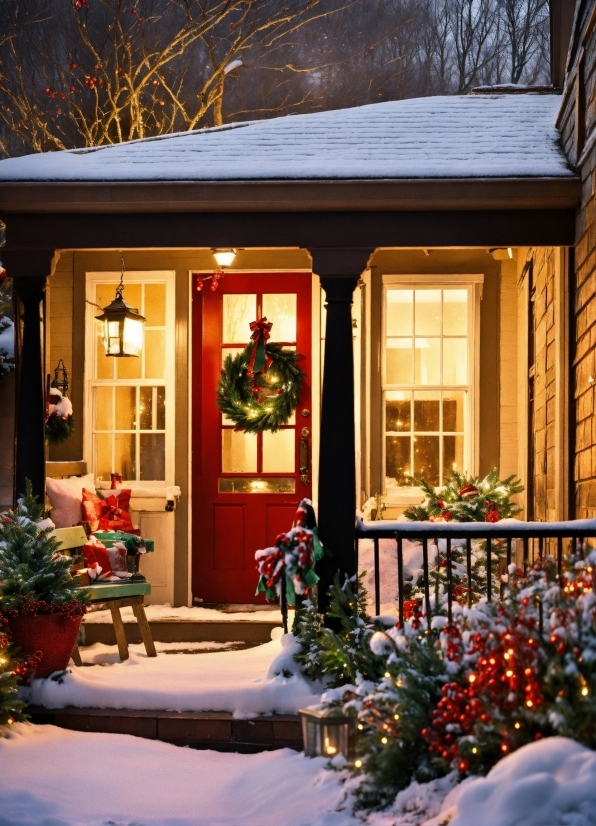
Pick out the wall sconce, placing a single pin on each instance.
(327, 732)
(224, 257)
(122, 326)
(60, 380)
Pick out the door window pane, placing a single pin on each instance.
(238, 312)
(427, 364)
(279, 451)
(153, 456)
(428, 313)
(280, 308)
(399, 361)
(238, 451)
(399, 313)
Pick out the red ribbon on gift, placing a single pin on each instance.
(259, 360)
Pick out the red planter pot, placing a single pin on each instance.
(54, 635)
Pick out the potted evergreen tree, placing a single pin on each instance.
(38, 597)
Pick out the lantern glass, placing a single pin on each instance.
(327, 735)
(224, 258)
(132, 337)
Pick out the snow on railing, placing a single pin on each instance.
(533, 536)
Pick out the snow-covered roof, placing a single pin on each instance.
(479, 136)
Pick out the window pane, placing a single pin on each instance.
(399, 312)
(155, 354)
(455, 312)
(453, 410)
(103, 455)
(155, 305)
(153, 456)
(238, 311)
(126, 404)
(428, 312)
(397, 460)
(455, 361)
(426, 410)
(279, 451)
(453, 454)
(427, 361)
(124, 455)
(399, 361)
(258, 484)
(426, 458)
(103, 408)
(129, 367)
(280, 308)
(104, 364)
(238, 452)
(160, 415)
(397, 411)
(146, 410)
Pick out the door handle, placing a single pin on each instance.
(304, 463)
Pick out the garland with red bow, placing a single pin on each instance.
(259, 388)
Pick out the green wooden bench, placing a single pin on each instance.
(115, 595)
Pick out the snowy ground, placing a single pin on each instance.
(389, 586)
(260, 680)
(157, 613)
(55, 777)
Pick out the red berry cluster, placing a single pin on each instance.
(32, 607)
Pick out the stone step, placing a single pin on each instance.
(245, 631)
(198, 729)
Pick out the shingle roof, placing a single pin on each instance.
(479, 136)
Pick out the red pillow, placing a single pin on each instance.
(109, 514)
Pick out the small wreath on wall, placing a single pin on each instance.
(59, 421)
(259, 388)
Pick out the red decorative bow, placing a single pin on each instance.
(259, 360)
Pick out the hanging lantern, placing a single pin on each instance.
(224, 257)
(122, 326)
(327, 732)
(60, 380)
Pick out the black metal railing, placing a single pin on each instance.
(537, 540)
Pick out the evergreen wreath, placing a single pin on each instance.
(59, 429)
(264, 400)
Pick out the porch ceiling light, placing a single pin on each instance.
(122, 326)
(224, 257)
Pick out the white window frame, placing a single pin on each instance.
(131, 277)
(474, 283)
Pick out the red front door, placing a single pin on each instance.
(245, 486)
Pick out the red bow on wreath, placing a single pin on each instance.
(259, 360)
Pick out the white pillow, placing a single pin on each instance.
(66, 498)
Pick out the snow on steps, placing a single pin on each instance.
(184, 625)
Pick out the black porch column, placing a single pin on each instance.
(339, 271)
(28, 272)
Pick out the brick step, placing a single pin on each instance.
(245, 631)
(198, 729)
